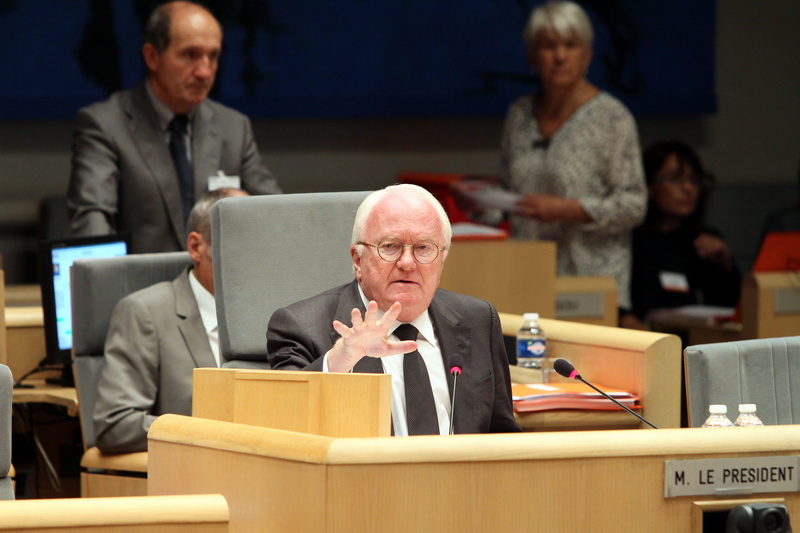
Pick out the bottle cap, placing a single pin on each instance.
(717, 409)
(747, 408)
(527, 317)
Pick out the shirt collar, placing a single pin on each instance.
(205, 303)
(164, 113)
(422, 322)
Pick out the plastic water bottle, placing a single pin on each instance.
(747, 416)
(717, 417)
(531, 343)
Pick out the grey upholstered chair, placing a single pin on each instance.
(271, 251)
(97, 286)
(6, 388)
(765, 372)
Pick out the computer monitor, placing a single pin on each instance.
(56, 258)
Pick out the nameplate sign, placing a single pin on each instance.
(580, 304)
(787, 301)
(731, 476)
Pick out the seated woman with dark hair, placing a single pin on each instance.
(677, 259)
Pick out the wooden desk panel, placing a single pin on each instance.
(25, 343)
(43, 392)
(759, 317)
(573, 293)
(594, 481)
(516, 276)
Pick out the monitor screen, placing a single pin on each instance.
(56, 259)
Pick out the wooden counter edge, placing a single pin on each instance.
(75, 512)
(491, 447)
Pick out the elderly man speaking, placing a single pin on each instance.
(393, 319)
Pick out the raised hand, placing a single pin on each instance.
(368, 337)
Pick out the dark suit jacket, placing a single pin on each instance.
(298, 336)
(155, 339)
(123, 178)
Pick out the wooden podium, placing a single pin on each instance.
(336, 405)
(600, 481)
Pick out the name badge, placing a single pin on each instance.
(673, 281)
(222, 181)
(731, 475)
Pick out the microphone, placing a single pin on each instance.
(455, 369)
(565, 368)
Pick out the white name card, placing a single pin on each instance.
(580, 304)
(787, 301)
(736, 475)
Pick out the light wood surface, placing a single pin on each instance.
(601, 287)
(596, 481)
(23, 295)
(43, 392)
(515, 276)
(113, 475)
(188, 513)
(643, 362)
(25, 342)
(119, 462)
(759, 319)
(332, 404)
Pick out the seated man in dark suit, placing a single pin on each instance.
(400, 241)
(156, 337)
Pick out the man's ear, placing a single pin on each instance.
(193, 243)
(356, 261)
(150, 55)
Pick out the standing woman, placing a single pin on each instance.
(573, 152)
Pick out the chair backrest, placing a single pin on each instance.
(6, 388)
(765, 372)
(97, 286)
(3, 348)
(271, 251)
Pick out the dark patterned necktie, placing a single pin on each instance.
(183, 167)
(420, 407)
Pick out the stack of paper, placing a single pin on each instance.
(570, 395)
(472, 231)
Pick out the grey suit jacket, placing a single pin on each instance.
(300, 334)
(155, 339)
(123, 178)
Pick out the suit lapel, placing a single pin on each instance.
(206, 141)
(454, 339)
(190, 324)
(152, 144)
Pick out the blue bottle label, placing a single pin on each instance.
(530, 348)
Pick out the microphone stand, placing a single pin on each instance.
(453, 402)
(631, 411)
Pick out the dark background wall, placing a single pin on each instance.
(747, 134)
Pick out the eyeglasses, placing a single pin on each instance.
(677, 179)
(391, 250)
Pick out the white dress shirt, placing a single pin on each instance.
(428, 347)
(208, 313)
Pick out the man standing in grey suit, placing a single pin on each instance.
(156, 337)
(141, 157)
(400, 323)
